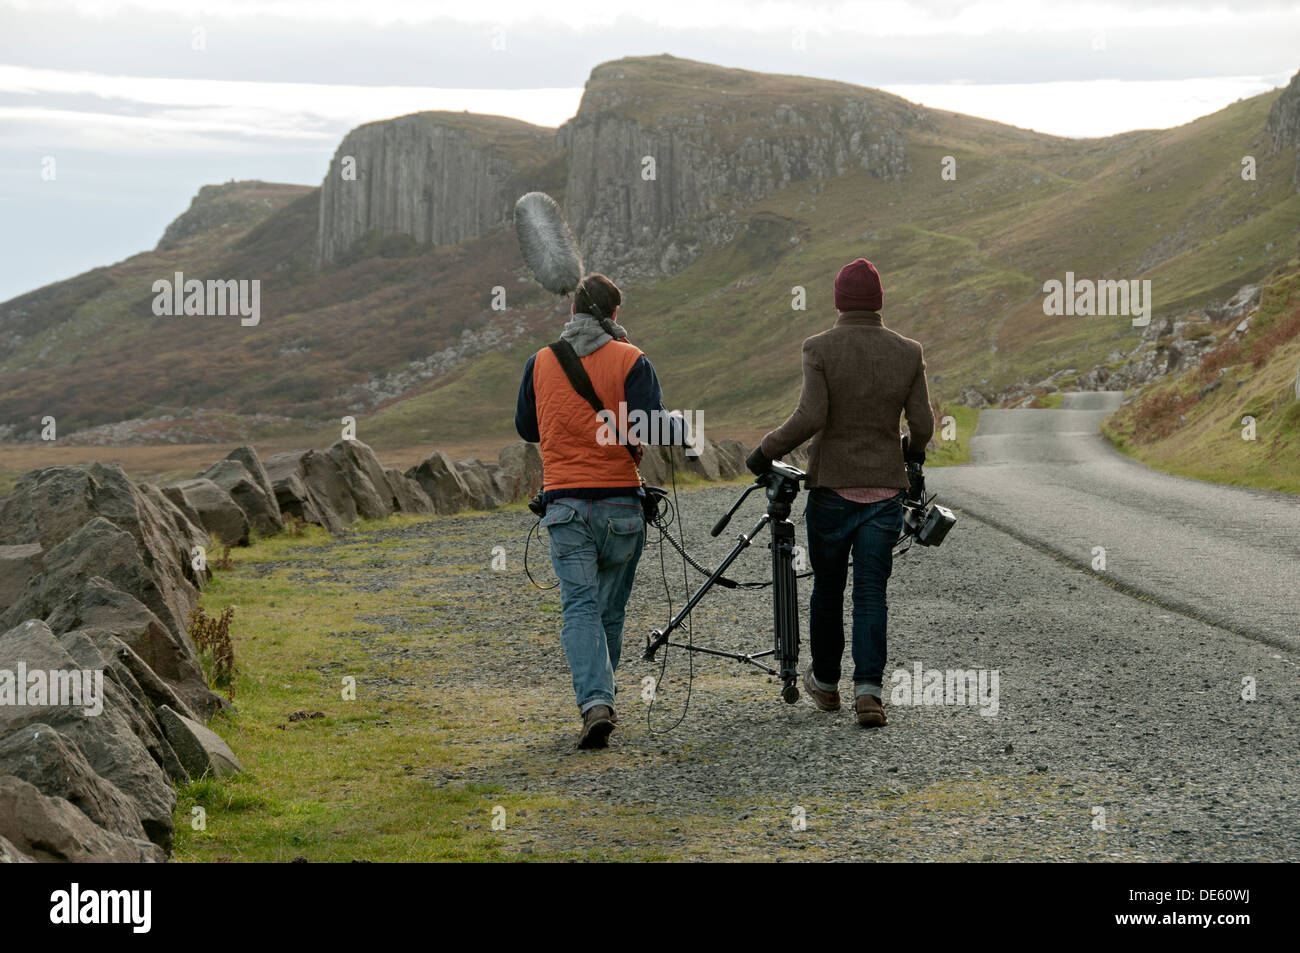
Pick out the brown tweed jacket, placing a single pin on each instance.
(858, 379)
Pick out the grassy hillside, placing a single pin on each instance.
(1192, 424)
(963, 264)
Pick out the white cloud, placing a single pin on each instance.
(233, 115)
(868, 18)
(139, 115)
(1090, 108)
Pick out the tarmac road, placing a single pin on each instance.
(1226, 555)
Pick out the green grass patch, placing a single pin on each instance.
(396, 773)
(1196, 424)
(951, 452)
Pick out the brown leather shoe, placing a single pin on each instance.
(871, 714)
(824, 700)
(597, 723)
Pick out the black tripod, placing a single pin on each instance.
(782, 485)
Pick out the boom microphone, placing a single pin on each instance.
(547, 243)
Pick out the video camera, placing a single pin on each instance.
(927, 522)
(924, 521)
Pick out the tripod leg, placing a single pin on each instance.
(660, 637)
(785, 608)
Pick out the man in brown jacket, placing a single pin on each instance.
(859, 377)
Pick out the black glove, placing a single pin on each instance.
(910, 455)
(915, 483)
(758, 462)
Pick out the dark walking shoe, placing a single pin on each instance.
(824, 700)
(871, 714)
(597, 723)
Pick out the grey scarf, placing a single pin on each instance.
(585, 334)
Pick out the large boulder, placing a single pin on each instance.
(326, 484)
(442, 482)
(9, 854)
(713, 461)
(702, 461)
(52, 829)
(253, 464)
(150, 689)
(408, 496)
(291, 493)
(18, 564)
(124, 690)
(99, 548)
(258, 505)
(364, 476)
(119, 738)
(485, 493)
(520, 466)
(201, 750)
(56, 767)
(654, 466)
(218, 513)
(184, 532)
(310, 486)
(49, 505)
(103, 610)
(176, 500)
(731, 458)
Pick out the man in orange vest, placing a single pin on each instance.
(592, 488)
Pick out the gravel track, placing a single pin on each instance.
(1106, 703)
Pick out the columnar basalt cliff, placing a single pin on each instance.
(438, 177)
(653, 167)
(663, 151)
(1284, 123)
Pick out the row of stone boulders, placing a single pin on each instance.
(102, 692)
(98, 580)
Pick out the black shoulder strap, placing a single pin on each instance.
(578, 377)
(576, 373)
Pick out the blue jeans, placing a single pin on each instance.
(595, 546)
(836, 528)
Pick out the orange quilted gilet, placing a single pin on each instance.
(571, 454)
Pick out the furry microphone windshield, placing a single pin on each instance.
(547, 243)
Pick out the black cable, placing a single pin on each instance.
(690, 622)
(704, 571)
(527, 538)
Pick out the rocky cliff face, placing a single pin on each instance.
(1284, 122)
(438, 177)
(663, 151)
(653, 169)
(233, 205)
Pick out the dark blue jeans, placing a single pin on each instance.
(836, 528)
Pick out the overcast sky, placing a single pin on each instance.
(140, 102)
